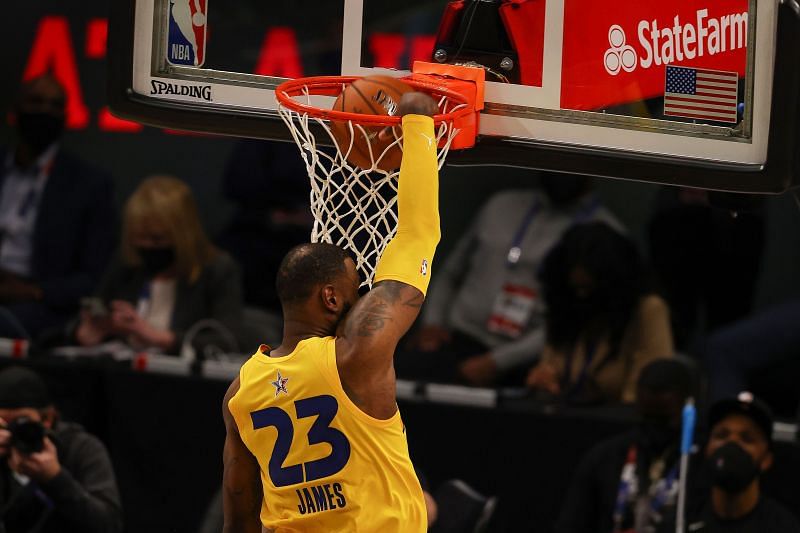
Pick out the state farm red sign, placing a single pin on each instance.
(615, 53)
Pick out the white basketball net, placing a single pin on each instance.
(353, 207)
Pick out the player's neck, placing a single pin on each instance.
(296, 330)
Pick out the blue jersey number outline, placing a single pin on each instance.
(324, 407)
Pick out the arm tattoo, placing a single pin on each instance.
(375, 312)
(415, 301)
(393, 290)
(372, 318)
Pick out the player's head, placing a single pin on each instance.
(318, 282)
(40, 112)
(661, 392)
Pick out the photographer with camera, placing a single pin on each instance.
(54, 477)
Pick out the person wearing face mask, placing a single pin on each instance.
(56, 218)
(603, 326)
(167, 275)
(484, 319)
(738, 451)
(629, 483)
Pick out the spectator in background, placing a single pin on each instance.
(167, 277)
(268, 183)
(483, 317)
(630, 482)
(56, 218)
(602, 325)
(68, 485)
(707, 260)
(739, 450)
(735, 353)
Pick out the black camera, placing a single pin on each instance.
(27, 435)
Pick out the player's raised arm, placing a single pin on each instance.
(242, 492)
(379, 319)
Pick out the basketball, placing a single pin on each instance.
(374, 95)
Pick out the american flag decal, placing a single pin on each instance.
(701, 94)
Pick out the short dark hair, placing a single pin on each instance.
(28, 85)
(668, 375)
(21, 387)
(307, 266)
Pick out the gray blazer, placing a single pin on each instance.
(217, 294)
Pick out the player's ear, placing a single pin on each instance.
(330, 299)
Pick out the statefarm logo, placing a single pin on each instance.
(664, 45)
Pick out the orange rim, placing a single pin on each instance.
(334, 85)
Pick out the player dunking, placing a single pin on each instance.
(315, 441)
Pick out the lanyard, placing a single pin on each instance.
(143, 305)
(34, 193)
(628, 484)
(591, 349)
(515, 251)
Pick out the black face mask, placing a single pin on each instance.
(156, 260)
(732, 468)
(39, 130)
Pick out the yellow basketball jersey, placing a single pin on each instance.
(326, 466)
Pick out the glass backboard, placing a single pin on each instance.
(678, 92)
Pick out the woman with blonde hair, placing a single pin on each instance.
(167, 276)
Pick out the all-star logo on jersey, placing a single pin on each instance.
(280, 384)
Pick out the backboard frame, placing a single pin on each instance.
(772, 176)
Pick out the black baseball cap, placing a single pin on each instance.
(743, 404)
(21, 387)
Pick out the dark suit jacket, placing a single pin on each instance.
(74, 234)
(216, 294)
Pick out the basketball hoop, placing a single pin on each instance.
(355, 207)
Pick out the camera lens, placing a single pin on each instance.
(27, 435)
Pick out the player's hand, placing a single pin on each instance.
(544, 376)
(40, 466)
(416, 103)
(479, 370)
(411, 103)
(5, 438)
(432, 338)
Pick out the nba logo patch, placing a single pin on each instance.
(423, 268)
(186, 38)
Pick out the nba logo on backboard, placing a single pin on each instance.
(186, 38)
